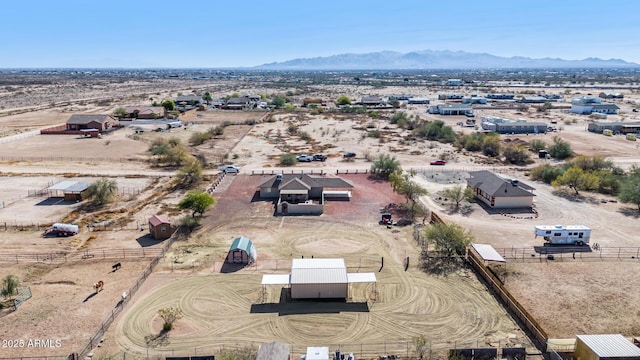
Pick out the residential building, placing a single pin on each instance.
(91, 121)
(591, 104)
(451, 109)
(498, 192)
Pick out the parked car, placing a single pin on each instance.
(349, 155)
(304, 158)
(438, 162)
(230, 169)
(319, 157)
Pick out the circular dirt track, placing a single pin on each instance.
(226, 309)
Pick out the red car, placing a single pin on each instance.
(438, 162)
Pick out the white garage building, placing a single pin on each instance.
(318, 279)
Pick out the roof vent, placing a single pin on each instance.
(279, 177)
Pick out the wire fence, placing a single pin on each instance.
(102, 328)
(88, 159)
(570, 253)
(63, 257)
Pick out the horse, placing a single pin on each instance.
(116, 266)
(97, 287)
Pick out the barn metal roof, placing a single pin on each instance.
(361, 278)
(488, 253)
(610, 345)
(276, 279)
(62, 185)
(318, 271)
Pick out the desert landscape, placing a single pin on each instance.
(588, 292)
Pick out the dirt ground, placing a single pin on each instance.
(566, 296)
(235, 310)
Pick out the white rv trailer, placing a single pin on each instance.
(564, 235)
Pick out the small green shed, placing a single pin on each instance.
(242, 251)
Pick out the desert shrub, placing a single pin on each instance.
(537, 145)
(199, 138)
(287, 160)
(374, 134)
(546, 173)
(216, 131)
(516, 154)
(560, 149)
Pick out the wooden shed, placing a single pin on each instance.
(242, 251)
(160, 227)
(606, 346)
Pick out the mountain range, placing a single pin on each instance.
(432, 59)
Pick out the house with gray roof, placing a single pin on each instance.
(498, 192)
(451, 109)
(100, 122)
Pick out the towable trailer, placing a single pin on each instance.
(60, 229)
(564, 235)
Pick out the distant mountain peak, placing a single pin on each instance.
(436, 59)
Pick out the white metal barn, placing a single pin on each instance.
(605, 347)
(319, 279)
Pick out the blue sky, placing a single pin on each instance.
(140, 33)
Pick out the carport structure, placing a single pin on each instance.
(318, 279)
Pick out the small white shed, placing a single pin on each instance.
(317, 353)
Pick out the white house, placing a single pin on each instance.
(591, 104)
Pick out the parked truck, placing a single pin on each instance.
(61, 229)
(564, 235)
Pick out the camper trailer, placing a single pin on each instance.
(564, 235)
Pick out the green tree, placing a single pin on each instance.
(9, 286)
(288, 160)
(546, 173)
(630, 188)
(536, 145)
(278, 101)
(449, 239)
(455, 193)
(491, 145)
(516, 154)
(169, 105)
(343, 100)
(197, 201)
(169, 315)
(103, 191)
(403, 185)
(560, 149)
(398, 116)
(207, 97)
(120, 112)
(577, 179)
(190, 173)
(384, 165)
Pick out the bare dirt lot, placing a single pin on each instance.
(568, 296)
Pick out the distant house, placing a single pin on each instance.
(616, 127)
(591, 104)
(242, 251)
(145, 112)
(518, 127)
(418, 101)
(189, 100)
(311, 101)
(91, 121)
(160, 227)
(536, 99)
(609, 95)
(498, 192)
(401, 97)
(474, 100)
(501, 96)
(371, 101)
(451, 109)
(450, 96)
(236, 103)
(454, 82)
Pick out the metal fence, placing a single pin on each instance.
(63, 257)
(102, 328)
(570, 253)
(88, 159)
(23, 295)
